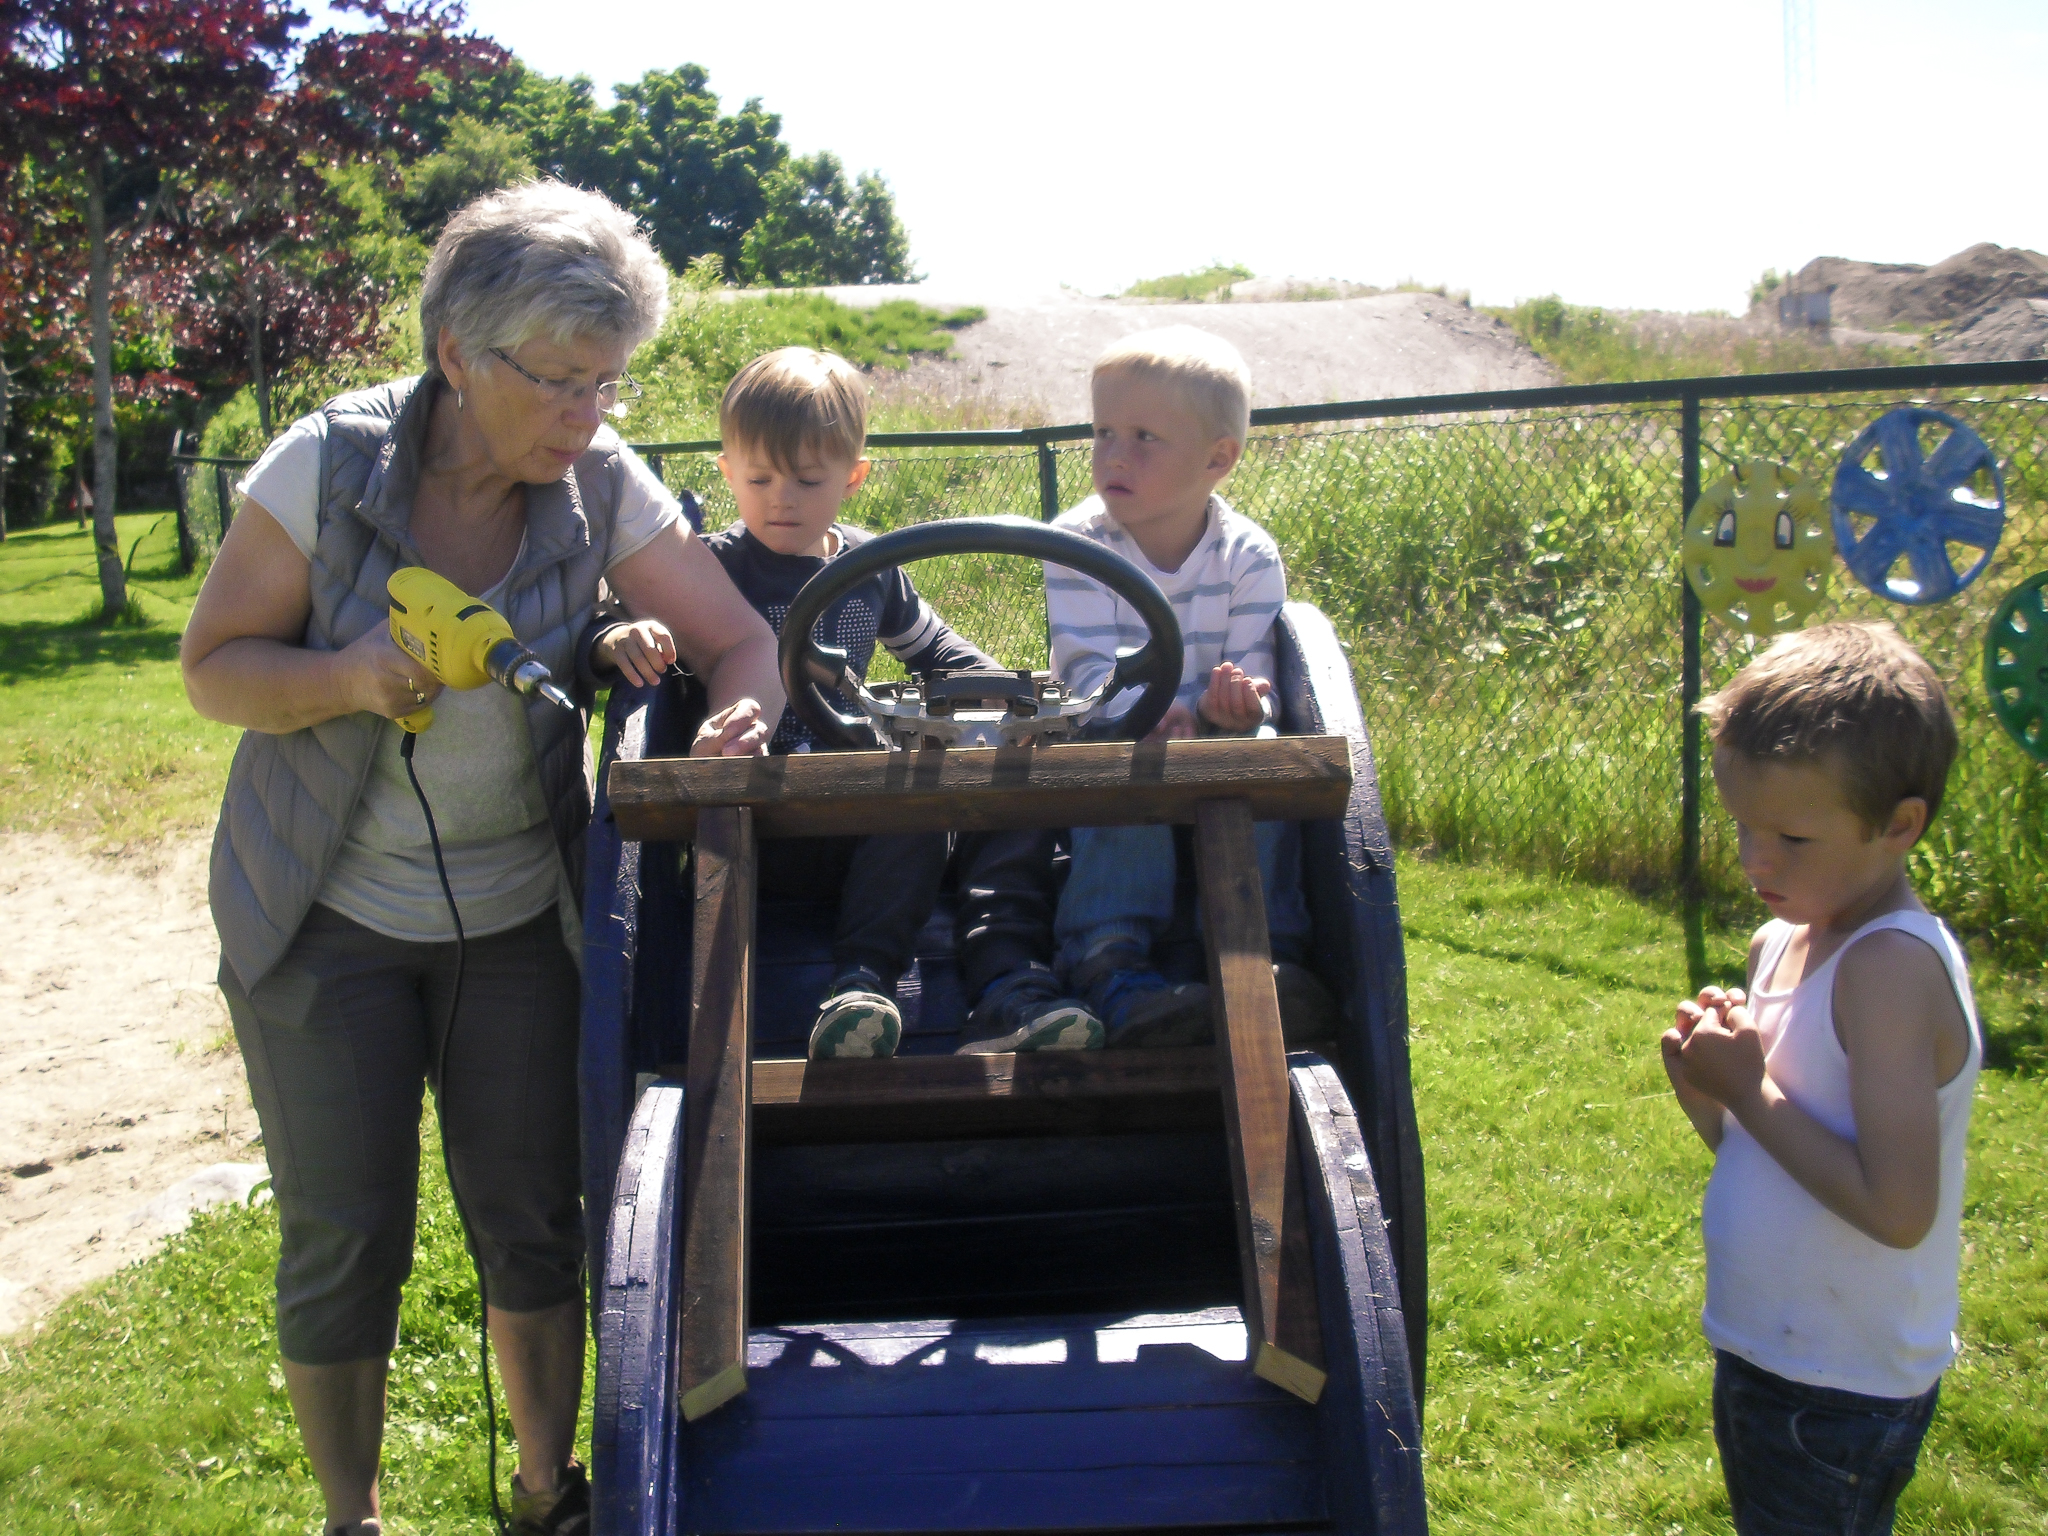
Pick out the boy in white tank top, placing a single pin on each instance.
(1835, 1090)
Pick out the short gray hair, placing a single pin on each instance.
(540, 259)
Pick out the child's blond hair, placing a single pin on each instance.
(1207, 370)
(793, 401)
(1855, 697)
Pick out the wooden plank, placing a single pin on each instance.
(712, 1359)
(1279, 1282)
(1096, 784)
(928, 1098)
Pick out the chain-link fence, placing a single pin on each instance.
(1505, 569)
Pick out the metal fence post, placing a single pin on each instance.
(1048, 482)
(221, 494)
(188, 543)
(1691, 620)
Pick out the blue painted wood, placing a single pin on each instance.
(635, 1412)
(1371, 1429)
(1348, 867)
(1921, 502)
(977, 1426)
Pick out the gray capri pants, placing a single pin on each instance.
(339, 1041)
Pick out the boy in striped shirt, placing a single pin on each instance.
(1172, 410)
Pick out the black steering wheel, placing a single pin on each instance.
(810, 669)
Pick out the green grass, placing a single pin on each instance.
(1569, 1381)
(96, 738)
(1590, 345)
(1190, 286)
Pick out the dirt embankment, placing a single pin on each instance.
(122, 1100)
(1030, 358)
(1984, 304)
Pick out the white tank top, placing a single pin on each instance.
(1792, 1287)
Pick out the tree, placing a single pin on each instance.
(816, 230)
(42, 279)
(136, 98)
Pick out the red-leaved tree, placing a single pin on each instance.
(143, 102)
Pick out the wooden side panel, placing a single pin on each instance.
(713, 1355)
(633, 1444)
(1371, 1429)
(1109, 784)
(1279, 1288)
(1348, 867)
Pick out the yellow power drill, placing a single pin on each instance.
(461, 641)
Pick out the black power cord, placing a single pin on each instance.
(483, 1299)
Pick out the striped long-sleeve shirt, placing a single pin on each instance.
(1226, 596)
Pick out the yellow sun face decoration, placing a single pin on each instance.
(1757, 548)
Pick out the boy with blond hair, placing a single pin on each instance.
(1172, 411)
(1834, 1089)
(794, 425)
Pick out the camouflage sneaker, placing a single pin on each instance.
(563, 1510)
(857, 1018)
(1027, 1011)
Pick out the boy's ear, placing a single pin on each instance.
(1223, 456)
(725, 469)
(856, 477)
(1909, 820)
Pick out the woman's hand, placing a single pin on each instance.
(383, 679)
(740, 730)
(643, 651)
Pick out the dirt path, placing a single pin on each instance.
(1033, 352)
(122, 1101)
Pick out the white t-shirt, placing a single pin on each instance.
(475, 762)
(1226, 595)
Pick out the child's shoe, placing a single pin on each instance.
(1026, 1011)
(1308, 1012)
(1137, 1005)
(857, 1018)
(563, 1510)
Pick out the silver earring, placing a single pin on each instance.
(458, 399)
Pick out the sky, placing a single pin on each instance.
(1629, 153)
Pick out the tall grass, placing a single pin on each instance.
(1590, 345)
(1510, 590)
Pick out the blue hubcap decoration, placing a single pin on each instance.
(1920, 503)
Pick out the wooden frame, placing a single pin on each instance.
(981, 789)
(1222, 786)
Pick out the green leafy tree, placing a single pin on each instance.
(816, 230)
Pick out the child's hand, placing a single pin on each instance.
(736, 731)
(1700, 1108)
(1722, 1055)
(1178, 724)
(1234, 699)
(643, 650)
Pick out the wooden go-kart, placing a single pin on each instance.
(1114, 1291)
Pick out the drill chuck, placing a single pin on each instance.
(513, 665)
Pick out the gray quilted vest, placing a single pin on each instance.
(290, 797)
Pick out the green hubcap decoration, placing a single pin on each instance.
(2016, 664)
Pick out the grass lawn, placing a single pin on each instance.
(1568, 1379)
(96, 738)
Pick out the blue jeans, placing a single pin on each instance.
(1803, 1461)
(1120, 886)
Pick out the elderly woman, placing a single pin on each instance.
(340, 960)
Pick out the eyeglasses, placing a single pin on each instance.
(613, 395)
